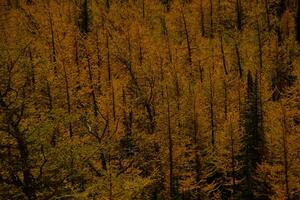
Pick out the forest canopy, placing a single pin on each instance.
(150, 99)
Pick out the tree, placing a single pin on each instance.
(298, 23)
(84, 17)
(143, 99)
(253, 142)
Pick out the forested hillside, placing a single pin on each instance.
(150, 99)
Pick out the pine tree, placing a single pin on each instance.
(253, 142)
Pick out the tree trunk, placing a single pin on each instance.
(211, 109)
(239, 64)
(170, 147)
(211, 18)
(202, 19)
(53, 53)
(285, 151)
(223, 55)
(267, 11)
(94, 99)
(189, 51)
(298, 22)
(108, 58)
(238, 14)
(99, 60)
(143, 8)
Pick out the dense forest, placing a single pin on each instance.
(150, 99)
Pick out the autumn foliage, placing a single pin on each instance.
(150, 99)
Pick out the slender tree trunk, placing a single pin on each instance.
(285, 151)
(77, 60)
(202, 19)
(189, 51)
(298, 22)
(239, 104)
(170, 146)
(161, 78)
(85, 17)
(103, 161)
(108, 58)
(267, 11)
(223, 55)
(238, 14)
(239, 64)
(211, 109)
(140, 49)
(99, 60)
(110, 76)
(225, 76)
(211, 18)
(225, 98)
(143, 8)
(50, 107)
(201, 72)
(113, 101)
(53, 54)
(93, 94)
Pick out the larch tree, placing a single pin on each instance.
(154, 100)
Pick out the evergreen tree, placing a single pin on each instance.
(253, 142)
